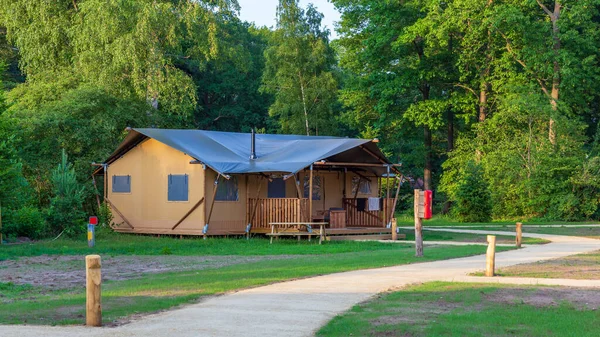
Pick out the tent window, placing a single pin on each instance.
(227, 190)
(276, 188)
(316, 187)
(121, 184)
(363, 186)
(178, 187)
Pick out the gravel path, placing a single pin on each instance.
(299, 308)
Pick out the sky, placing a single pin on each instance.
(262, 12)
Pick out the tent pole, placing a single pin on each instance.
(212, 204)
(391, 212)
(344, 190)
(297, 183)
(387, 193)
(310, 194)
(254, 209)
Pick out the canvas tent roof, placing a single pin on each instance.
(229, 152)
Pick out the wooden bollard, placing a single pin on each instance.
(418, 227)
(519, 238)
(93, 295)
(394, 230)
(490, 263)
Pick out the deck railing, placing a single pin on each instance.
(356, 218)
(276, 210)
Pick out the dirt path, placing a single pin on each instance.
(61, 272)
(299, 308)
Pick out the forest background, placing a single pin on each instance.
(493, 105)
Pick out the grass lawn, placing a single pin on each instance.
(445, 221)
(466, 237)
(579, 267)
(459, 309)
(150, 292)
(127, 244)
(590, 232)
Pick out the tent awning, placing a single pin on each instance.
(229, 152)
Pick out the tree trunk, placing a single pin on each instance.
(554, 94)
(428, 164)
(449, 148)
(304, 104)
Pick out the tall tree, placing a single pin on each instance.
(127, 47)
(299, 71)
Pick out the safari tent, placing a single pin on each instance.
(195, 182)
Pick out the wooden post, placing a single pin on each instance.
(394, 229)
(418, 227)
(93, 300)
(310, 194)
(519, 234)
(212, 203)
(490, 263)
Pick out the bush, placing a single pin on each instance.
(473, 198)
(66, 206)
(25, 222)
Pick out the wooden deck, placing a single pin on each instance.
(261, 212)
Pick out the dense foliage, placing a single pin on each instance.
(473, 199)
(506, 91)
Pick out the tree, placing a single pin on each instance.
(66, 206)
(87, 122)
(473, 199)
(299, 71)
(127, 47)
(228, 87)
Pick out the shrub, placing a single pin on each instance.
(66, 206)
(24, 222)
(473, 198)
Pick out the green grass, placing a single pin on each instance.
(466, 237)
(592, 232)
(152, 292)
(127, 244)
(445, 221)
(459, 309)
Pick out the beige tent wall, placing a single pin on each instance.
(228, 217)
(146, 207)
(333, 191)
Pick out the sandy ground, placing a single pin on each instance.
(578, 267)
(62, 272)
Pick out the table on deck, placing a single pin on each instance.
(276, 226)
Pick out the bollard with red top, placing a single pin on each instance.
(92, 231)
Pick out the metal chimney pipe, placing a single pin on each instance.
(253, 145)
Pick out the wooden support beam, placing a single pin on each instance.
(519, 236)
(310, 194)
(361, 175)
(379, 158)
(490, 262)
(93, 295)
(297, 183)
(97, 192)
(418, 227)
(255, 207)
(393, 210)
(394, 230)
(119, 212)
(212, 203)
(188, 213)
(328, 163)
